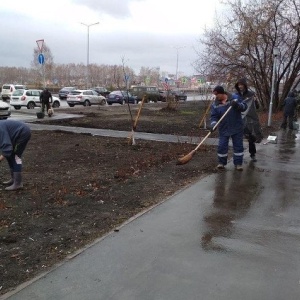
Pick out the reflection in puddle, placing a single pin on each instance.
(233, 196)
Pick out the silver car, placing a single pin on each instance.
(85, 98)
(5, 111)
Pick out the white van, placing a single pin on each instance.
(8, 89)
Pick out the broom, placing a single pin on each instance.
(185, 159)
(131, 137)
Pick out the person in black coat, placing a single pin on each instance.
(46, 99)
(289, 104)
(252, 127)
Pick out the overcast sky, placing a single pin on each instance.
(144, 33)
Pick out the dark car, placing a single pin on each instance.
(179, 95)
(64, 92)
(101, 91)
(120, 97)
(151, 93)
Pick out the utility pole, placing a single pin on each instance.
(275, 54)
(88, 51)
(177, 58)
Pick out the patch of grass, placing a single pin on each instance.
(189, 112)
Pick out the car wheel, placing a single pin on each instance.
(17, 107)
(109, 103)
(55, 104)
(86, 103)
(102, 102)
(31, 105)
(71, 105)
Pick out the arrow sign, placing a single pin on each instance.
(41, 58)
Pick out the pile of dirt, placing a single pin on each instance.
(77, 187)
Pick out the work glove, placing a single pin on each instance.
(234, 104)
(211, 128)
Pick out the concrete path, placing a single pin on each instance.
(232, 235)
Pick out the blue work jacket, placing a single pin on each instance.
(233, 122)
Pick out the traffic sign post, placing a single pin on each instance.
(41, 57)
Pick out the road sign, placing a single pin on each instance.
(40, 44)
(41, 58)
(166, 86)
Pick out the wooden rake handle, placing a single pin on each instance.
(206, 112)
(139, 112)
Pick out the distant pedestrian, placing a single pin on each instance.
(289, 109)
(46, 99)
(252, 127)
(230, 127)
(14, 136)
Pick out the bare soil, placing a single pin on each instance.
(78, 187)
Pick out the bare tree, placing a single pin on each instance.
(242, 43)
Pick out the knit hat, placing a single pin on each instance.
(219, 90)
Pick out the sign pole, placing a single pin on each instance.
(41, 59)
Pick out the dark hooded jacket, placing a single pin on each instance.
(45, 96)
(290, 104)
(250, 116)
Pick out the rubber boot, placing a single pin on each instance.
(17, 182)
(11, 180)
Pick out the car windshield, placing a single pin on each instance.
(67, 89)
(19, 87)
(75, 92)
(125, 93)
(18, 93)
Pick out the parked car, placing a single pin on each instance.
(30, 99)
(8, 89)
(121, 97)
(64, 92)
(101, 91)
(179, 95)
(85, 98)
(5, 110)
(151, 92)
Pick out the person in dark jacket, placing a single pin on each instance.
(230, 127)
(289, 104)
(14, 136)
(252, 127)
(46, 99)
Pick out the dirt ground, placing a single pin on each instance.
(78, 187)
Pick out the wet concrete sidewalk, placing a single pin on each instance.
(231, 235)
(125, 134)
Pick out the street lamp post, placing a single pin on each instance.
(177, 57)
(88, 51)
(275, 54)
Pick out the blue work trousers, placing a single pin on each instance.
(238, 148)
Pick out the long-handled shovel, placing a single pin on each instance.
(131, 137)
(185, 159)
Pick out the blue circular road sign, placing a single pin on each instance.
(41, 58)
